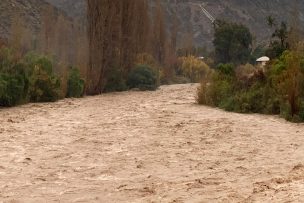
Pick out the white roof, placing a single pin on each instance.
(263, 59)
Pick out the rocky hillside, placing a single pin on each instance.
(30, 12)
(191, 18)
(74, 8)
(251, 13)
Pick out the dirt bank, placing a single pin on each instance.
(147, 147)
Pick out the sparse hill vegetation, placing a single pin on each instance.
(31, 12)
(192, 21)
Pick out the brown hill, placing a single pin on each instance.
(29, 11)
(251, 13)
(192, 19)
(38, 25)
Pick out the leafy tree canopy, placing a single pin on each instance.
(279, 42)
(232, 42)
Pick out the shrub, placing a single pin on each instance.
(215, 89)
(44, 88)
(14, 82)
(180, 80)
(279, 90)
(193, 68)
(142, 77)
(238, 90)
(115, 81)
(13, 88)
(288, 80)
(244, 71)
(226, 69)
(220, 91)
(34, 61)
(251, 100)
(44, 85)
(229, 104)
(75, 85)
(203, 94)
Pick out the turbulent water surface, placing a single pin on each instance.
(147, 147)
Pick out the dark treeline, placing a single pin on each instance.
(119, 32)
(121, 45)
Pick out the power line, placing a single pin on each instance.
(207, 14)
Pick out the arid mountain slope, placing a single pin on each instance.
(189, 15)
(74, 8)
(191, 19)
(251, 13)
(30, 12)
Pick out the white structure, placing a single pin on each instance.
(263, 60)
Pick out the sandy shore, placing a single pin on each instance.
(147, 147)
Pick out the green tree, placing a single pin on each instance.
(282, 34)
(232, 42)
(279, 40)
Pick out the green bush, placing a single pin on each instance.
(75, 85)
(231, 93)
(226, 96)
(13, 89)
(229, 104)
(142, 77)
(115, 81)
(251, 101)
(216, 88)
(44, 85)
(226, 69)
(14, 81)
(44, 88)
(220, 91)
